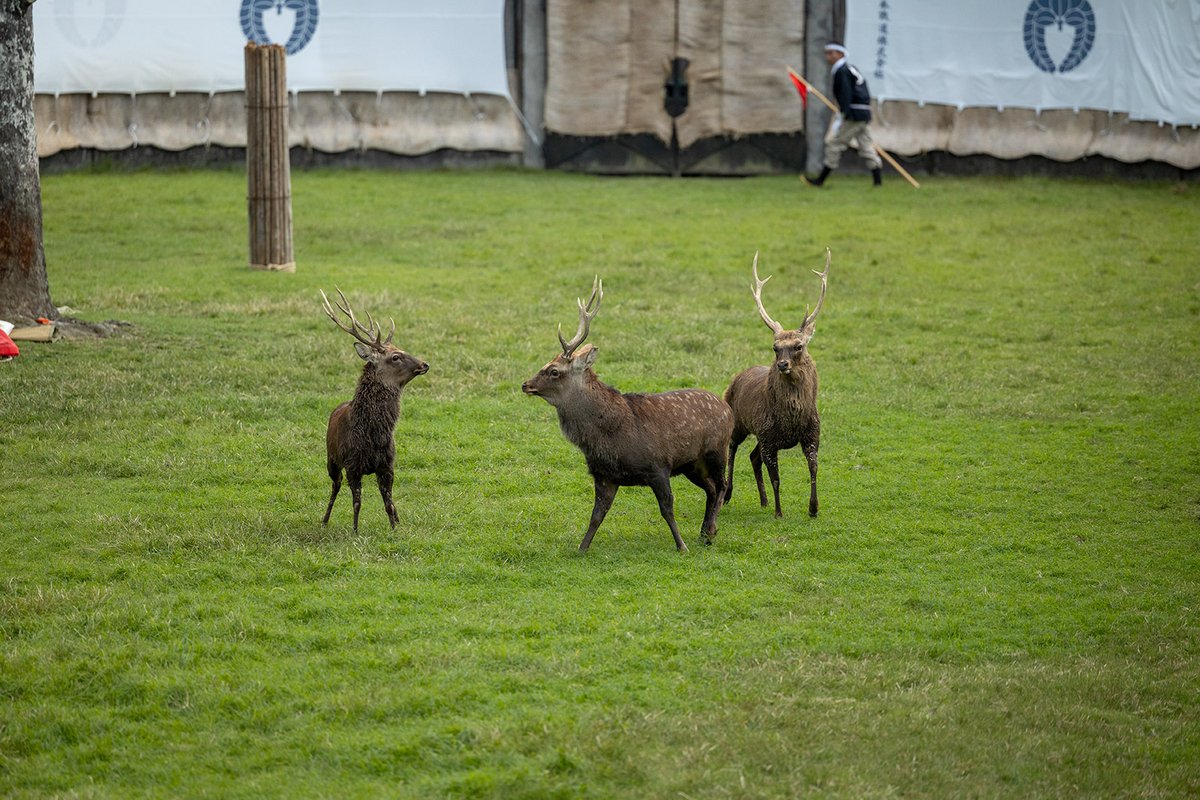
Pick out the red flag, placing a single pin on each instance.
(801, 87)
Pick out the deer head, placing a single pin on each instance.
(393, 366)
(789, 345)
(567, 370)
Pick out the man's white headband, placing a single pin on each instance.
(836, 47)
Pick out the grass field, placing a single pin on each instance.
(999, 598)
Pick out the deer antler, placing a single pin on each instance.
(357, 330)
(757, 291)
(824, 280)
(586, 315)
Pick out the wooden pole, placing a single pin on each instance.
(272, 198)
(286, 252)
(268, 169)
(283, 168)
(252, 110)
(878, 149)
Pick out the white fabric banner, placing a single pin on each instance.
(139, 46)
(1133, 56)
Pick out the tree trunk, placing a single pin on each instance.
(24, 288)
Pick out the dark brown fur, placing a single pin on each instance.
(360, 437)
(639, 439)
(778, 405)
(780, 410)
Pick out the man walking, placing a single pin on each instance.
(853, 119)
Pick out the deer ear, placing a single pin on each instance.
(588, 357)
(364, 352)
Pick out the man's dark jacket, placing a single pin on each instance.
(850, 91)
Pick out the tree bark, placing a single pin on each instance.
(24, 287)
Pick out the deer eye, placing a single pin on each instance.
(553, 373)
(395, 357)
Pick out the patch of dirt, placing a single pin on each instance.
(75, 328)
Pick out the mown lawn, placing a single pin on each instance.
(999, 598)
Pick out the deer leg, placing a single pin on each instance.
(716, 464)
(810, 452)
(384, 479)
(756, 462)
(701, 474)
(355, 482)
(715, 467)
(771, 459)
(661, 485)
(605, 492)
(812, 479)
(737, 438)
(335, 475)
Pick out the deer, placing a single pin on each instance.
(778, 404)
(360, 438)
(635, 439)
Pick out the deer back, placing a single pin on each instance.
(626, 435)
(682, 424)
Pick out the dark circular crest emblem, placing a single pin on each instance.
(306, 21)
(1042, 14)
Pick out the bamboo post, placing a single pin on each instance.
(268, 168)
(834, 108)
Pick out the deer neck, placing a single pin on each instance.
(375, 403)
(790, 393)
(591, 412)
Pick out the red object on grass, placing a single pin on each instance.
(801, 87)
(7, 346)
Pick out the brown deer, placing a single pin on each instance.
(635, 439)
(360, 437)
(778, 404)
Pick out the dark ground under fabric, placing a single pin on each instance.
(751, 155)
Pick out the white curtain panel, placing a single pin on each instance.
(1140, 57)
(142, 46)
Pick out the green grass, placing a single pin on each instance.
(999, 599)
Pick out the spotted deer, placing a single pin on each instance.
(778, 404)
(635, 439)
(360, 437)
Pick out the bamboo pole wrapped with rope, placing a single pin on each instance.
(268, 168)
